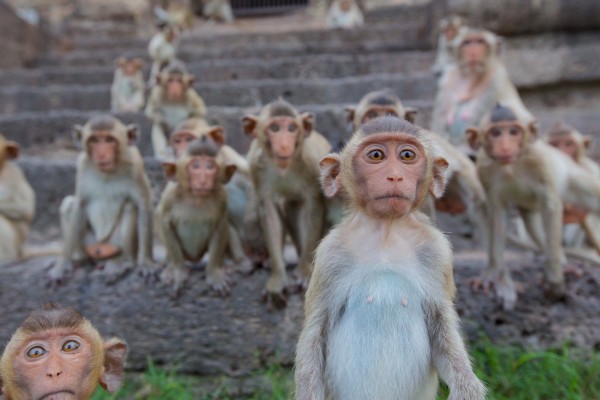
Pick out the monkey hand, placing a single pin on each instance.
(219, 281)
(114, 270)
(149, 270)
(275, 294)
(245, 266)
(501, 282)
(59, 271)
(175, 276)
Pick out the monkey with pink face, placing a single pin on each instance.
(380, 322)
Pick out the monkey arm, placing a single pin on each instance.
(449, 354)
(218, 244)
(77, 229)
(169, 237)
(141, 200)
(310, 353)
(19, 205)
(152, 110)
(196, 104)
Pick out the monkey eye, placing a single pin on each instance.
(70, 346)
(274, 127)
(110, 139)
(94, 139)
(36, 352)
(189, 139)
(376, 155)
(210, 164)
(495, 132)
(514, 131)
(372, 114)
(407, 155)
(292, 128)
(569, 143)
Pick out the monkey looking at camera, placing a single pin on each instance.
(58, 354)
(450, 28)
(344, 14)
(380, 321)
(127, 90)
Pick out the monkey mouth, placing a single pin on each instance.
(59, 393)
(505, 160)
(393, 196)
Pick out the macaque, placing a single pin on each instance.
(380, 321)
(217, 10)
(464, 193)
(239, 189)
(127, 90)
(518, 170)
(171, 101)
(109, 219)
(58, 354)
(192, 214)
(284, 156)
(471, 87)
(344, 14)
(450, 28)
(163, 47)
(17, 203)
(578, 223)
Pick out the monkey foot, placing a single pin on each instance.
(555, 291)
(299, 283)
(245, 266)
(219, 282)
(175, 277)
(275, 300)
(504, 288)
(574, 269)
(58, 271)
(113, 270)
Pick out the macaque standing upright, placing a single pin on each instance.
(471, 87)
(127, 90)
(450, 28)
(163, 48)
(344, 14)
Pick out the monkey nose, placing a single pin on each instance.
(395, 178)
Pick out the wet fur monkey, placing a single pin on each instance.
(192, 214)
(58, 354)
(284, 157)
(379, 320)
(17, 203)
(518, 170)
(109, 219)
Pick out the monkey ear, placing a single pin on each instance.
(229, 171)
(115, 351)
(308, 121)
(473, 138)
(170, 170)
(132, 134)
(77, 132)
(217, 134)
(189, 80)
(12, 149)
(439, 177)
(587, 142)
(330, 167)
(350, 112)
(120, 62)
(410, 114)
(533, 129)
(249, 123)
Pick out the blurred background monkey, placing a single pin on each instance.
(450, 28)
(344, 14)
(58, 354)
(17, 203)
(127, 90)
(380, 321)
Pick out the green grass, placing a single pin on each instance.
(509, 373)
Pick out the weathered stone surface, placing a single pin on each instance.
(232, 94)
(21, 42)
(525, 16)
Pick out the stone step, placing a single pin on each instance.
(323, 42)
(293, 67)
(44, 133)
(18, 99)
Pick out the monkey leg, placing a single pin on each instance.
(216, 276)
(125, 238)
(272, 227)
(552, 225)
(591, 226)
(243, 263)
(66, 222)
(160, 144)
(10, 241)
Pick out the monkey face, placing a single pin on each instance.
(450, 32)
(103, 149)
(345, 5)
(375, 111)
(202, 172)
(175, 87)
(566, 144)
(180, 141)
(389, 170)
(283, 133)
(473, 53)
(503, 141)
(55, 365)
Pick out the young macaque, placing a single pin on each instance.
(17, 203)
(380, 321)
(217, 10)
(127, 90)
(464, 192)
(579, 224)
(58, 354)
(517, 170)
(192, 214)
(171, 101)
(163, 46)
(284, 156)
(471, 87)
(344, 14)
(450, 28)
(109, 219)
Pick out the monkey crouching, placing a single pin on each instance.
(380, 321)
